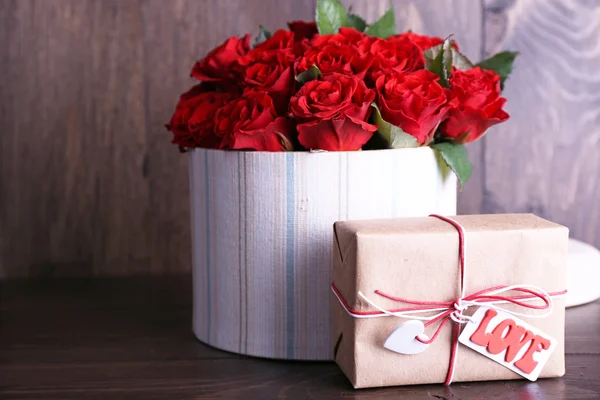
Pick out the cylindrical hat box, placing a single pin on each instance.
(262, 231)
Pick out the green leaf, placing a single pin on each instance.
(501, 63)
(430, 54)
(459, 60)
(356, 22)
(263, 34)
(395, 137)
(457, 158)
(441, 65)
(330, 16)
(384, 27)
(309, 75)
(445, 170)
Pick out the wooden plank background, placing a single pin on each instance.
(89, 184)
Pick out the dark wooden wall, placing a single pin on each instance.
(89, 184)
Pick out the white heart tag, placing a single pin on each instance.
(403, 339)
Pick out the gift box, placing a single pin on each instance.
(387, 273)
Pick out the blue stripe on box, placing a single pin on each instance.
(207, 191)
(245, 253)
(240, 243)
(289, 254)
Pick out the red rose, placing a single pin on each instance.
(477, 105)
(251, 122)
(415, 102)
(364, 44)
(192, 123)
(274, 75)
(281, 44)
(422, 41)
(333, 113)
(398, 54)
(280, 40)
(218, 65)
(303, 30)
(268, 67)
(344, 35)
(336, 53)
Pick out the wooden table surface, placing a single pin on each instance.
(130, 338)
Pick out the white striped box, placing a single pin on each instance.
(262, 231)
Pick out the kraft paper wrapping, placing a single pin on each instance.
(261, 231)
(417, 259)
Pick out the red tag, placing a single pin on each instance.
(509, 341)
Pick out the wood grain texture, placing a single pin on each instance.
(89, 184)
(545, 158)
(131, 338)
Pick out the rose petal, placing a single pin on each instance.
(341, 134)
(267, 139)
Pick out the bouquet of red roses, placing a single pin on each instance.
(339, 84)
